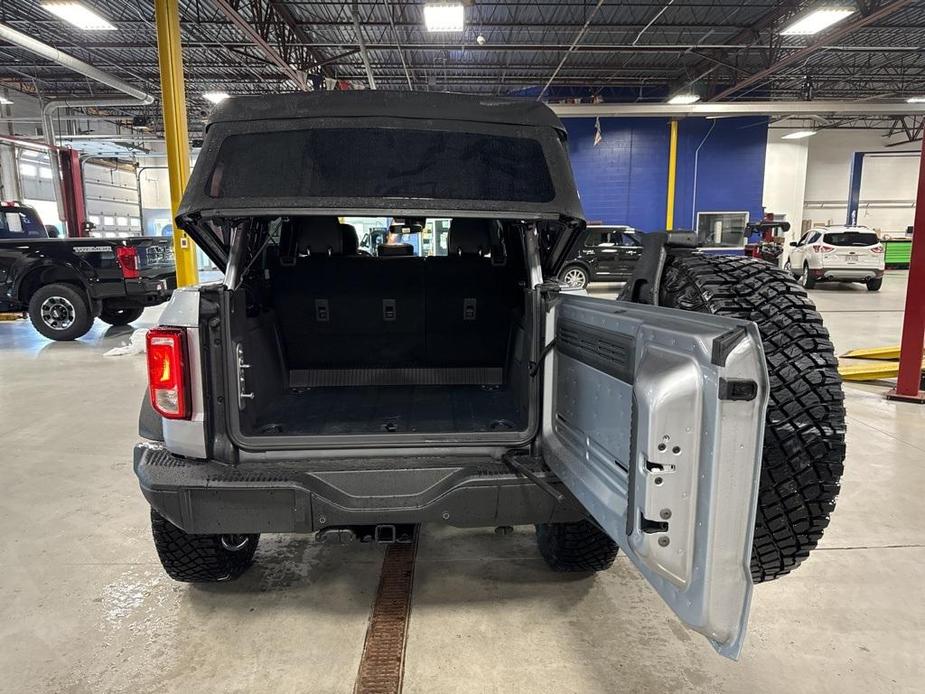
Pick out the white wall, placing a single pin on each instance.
(828, 176)
(785, 178)
(809, 179)
(888, 190)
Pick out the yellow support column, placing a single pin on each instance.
(672, 172)
(173, 100)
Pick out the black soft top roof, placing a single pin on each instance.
(360, 103)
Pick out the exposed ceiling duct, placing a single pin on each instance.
(133, 96)
(738, 108)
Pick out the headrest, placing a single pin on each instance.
(470, 236)
(318, 236)
(394, 249)
(349, 239)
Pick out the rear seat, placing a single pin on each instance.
(339, 311)
(469, 299)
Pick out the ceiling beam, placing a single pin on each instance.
(294, 75)
(791, 58)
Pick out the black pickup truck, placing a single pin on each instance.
(65, 283)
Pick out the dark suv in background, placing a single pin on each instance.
(603, 253)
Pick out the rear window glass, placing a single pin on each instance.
(20, 224)
(851, 238)
(381, 163)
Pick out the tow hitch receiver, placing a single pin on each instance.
(384, 534)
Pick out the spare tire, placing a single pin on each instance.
(804, 438)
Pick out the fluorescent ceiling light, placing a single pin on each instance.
(816, 21)
(444, 16)
(910, 100)
(799, 135)
(79, 15)
(683, 99)
(4, 101)
(215, 97)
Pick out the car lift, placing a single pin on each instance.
(885, 364)
(909, 386)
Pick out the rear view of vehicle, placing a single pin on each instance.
(320, 388)
(839, 254)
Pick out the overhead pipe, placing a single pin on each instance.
(136, 97)
(736, 108)
(364, 54)
(48, 128)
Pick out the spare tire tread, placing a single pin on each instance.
(804, 443)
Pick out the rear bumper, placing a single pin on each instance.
(150, 291)
(847, 274)
(287, 497)
(145, 291)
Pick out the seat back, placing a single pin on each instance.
(469, 300)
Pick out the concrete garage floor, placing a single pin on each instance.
(84, 606)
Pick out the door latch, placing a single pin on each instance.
(242, 367)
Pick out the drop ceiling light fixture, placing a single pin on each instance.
(215, 97)
(77, 14)
(684, 99)
(799, 135)
(817, 20)
(444, 16)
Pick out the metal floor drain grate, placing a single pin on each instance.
(382, 664)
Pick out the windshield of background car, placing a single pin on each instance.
(21, 224)
(851, 238)
(381, 163)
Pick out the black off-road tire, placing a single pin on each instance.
(580, 546)
(873, 285)
(201, 558)
(121, 316)
(804, 439)
(74, 320)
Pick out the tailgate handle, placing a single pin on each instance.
(388, 309)
(321, 311)
(469, 309)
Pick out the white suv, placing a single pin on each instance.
(840, 254)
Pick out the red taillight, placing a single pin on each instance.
(168, 379)
(819, 248)
(127, 257)
(877, 249)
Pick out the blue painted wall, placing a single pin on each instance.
(730, 167)
(624, 179)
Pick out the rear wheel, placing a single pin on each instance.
(60, 312)
(121, 316)
(574, 276)
(873, 285)
(580, 546)
(807, 279)
(201, 558)
(804, 439)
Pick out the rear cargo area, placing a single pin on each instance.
(337, 343)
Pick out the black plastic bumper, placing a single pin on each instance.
(309, 495)
(146, 291)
